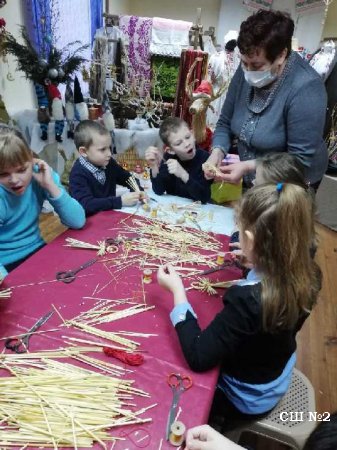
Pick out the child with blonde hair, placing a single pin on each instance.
(253, 338)
(25, 183)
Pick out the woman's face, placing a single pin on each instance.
(258, 61)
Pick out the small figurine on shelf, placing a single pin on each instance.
(43, 116)
(145, 181)
(47, 70)
(108, 118)
(138, 169)
(138, 172)
(81, 108)
(55, 103)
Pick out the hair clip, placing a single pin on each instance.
(279, 187)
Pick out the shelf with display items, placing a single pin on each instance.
(131, 161)
(47, 70)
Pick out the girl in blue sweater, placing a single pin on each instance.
(25, 183)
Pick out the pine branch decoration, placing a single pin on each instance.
(27, 57)
(66, 62)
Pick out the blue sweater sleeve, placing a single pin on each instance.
(71, 213)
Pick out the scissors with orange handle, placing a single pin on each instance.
(179, 384)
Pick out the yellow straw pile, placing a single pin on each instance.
(167, 244)
(53, 404)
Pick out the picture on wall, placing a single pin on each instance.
(258, 4)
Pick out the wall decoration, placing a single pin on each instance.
(307, 5)
(2, 37)
(254, 5)
(46, 72)
(137, 34)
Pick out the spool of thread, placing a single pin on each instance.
(154, 213)
(220, 259)
(177, 434)
(99, 108)
(147, 276)
(93, 113)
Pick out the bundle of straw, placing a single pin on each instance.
(5, 293)
(108, 313)
(213, 169)
(167, 244)
(102, 247)
(132, 183)
(52, 404)
(208, 286)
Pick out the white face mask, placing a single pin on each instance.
(259, 78)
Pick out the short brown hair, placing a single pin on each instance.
(268, 30)
(83, 135)
(281, 167)
(169, 125)
(14, 150)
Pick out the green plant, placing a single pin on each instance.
(165, 75)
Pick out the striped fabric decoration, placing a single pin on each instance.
(307, 5)
(42, 99)
(253, 5)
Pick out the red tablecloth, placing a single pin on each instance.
(163, 354)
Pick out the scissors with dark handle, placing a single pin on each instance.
(179, 384)
(21, 345)
(216, 269)
(70, 275)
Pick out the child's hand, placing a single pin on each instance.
(131, 198)
(153, 157)
(143, 197)
(43, 175)
(174, 168)
(206, 438)
(169, 279)
(235, 247)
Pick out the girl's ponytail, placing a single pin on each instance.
(282, 221)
